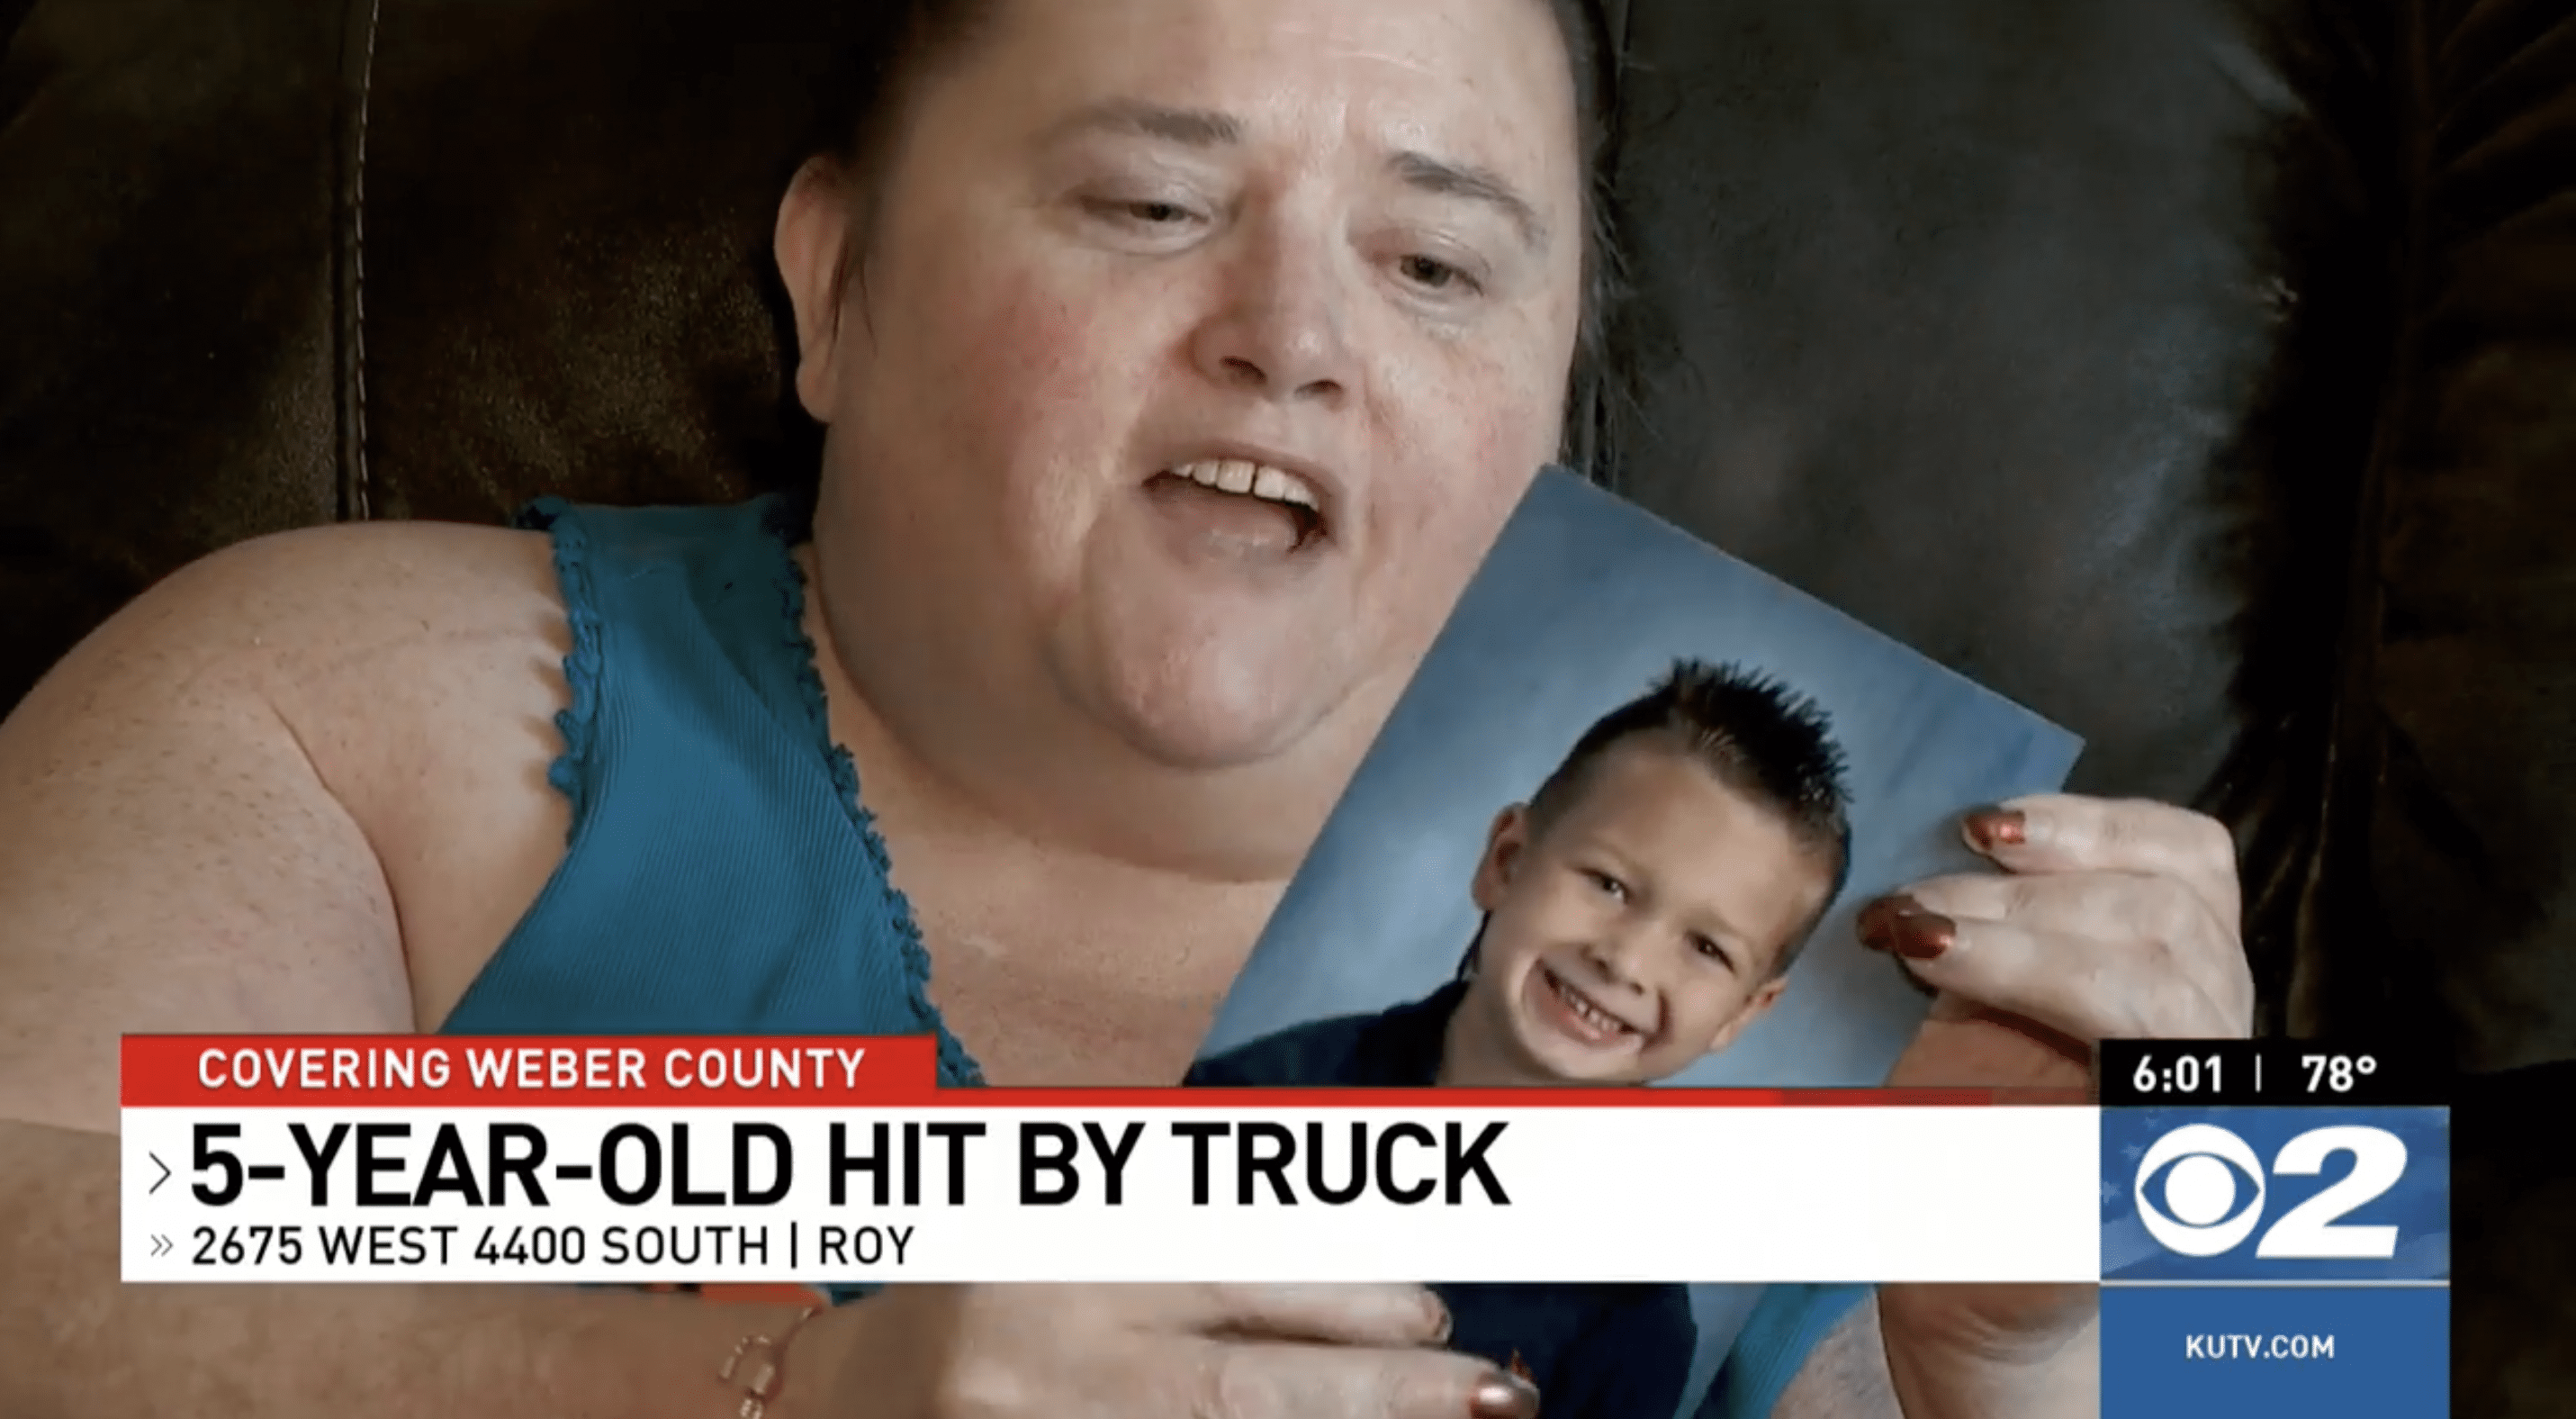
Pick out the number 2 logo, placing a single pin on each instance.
(2196, 1170)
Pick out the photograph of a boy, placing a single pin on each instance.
(1641, 909)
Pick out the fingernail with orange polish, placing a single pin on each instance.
(1924, 936)
(1997, 827)
(1504, 1396)
(1877, 922)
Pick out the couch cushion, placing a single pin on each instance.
(2010, 328)
(2451, 857)
(166, 300)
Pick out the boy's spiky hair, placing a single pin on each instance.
(1758, 737)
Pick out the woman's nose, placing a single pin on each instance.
(1281, 330)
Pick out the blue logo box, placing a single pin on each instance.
(2285, 1195)
(2273, 1352)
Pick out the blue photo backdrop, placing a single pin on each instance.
(1584, 602)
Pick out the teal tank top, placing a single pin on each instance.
(721, 876)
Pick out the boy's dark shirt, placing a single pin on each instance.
(1595, 1350)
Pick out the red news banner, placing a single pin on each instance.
(841, 1161)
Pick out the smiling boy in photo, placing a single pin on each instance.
(1640, 911)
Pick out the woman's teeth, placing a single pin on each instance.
(1260, 480)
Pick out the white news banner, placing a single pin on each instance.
(684, 1159)
(1166, 1192)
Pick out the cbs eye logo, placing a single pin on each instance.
(2201, 1192)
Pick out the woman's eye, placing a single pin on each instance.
(1609, 884)
(1144, 213)
(1433, 274)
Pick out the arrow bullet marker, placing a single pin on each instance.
(156, 1182)
(160, 1245)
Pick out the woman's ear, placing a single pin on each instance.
(815, 222)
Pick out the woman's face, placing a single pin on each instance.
(1200, 349)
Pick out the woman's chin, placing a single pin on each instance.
(1208, 731)
(1198, 703)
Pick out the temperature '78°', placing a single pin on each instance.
(2336, 1071)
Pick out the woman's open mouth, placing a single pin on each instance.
(1253, 506)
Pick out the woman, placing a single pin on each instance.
(1082, 262)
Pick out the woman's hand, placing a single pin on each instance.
(2109, 920)
(1153, 1352)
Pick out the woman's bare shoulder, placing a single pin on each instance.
(345, 633)
(316, 759)
(318, 590)
(421, 666)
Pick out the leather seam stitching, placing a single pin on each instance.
(362, 491)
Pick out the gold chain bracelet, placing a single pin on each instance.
(759, 1364)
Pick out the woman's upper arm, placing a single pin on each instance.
(170, 858)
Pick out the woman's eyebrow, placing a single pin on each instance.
(1208, 128)
(1443, 178)
(1192, 127)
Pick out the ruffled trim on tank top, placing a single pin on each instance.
(955, 1064)
(576, 721)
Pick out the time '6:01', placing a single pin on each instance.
(2187, 1074)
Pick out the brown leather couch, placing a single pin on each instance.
(2192, 370)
